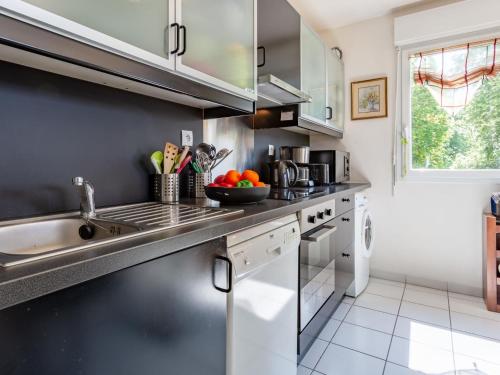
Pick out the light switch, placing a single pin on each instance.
(187, 137)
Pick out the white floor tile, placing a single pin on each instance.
(473, 324)
(313, 354)
(387, 282)
(425, 313)
(476, 308)
(371, 319)
(301, 370)
(393, 369)
(425, 298)
(424, 333)
(329, 330)
(472, 366)
(476, 347)
(348, 300)
(420, 357)
(338, 360)
(341, 311)
(363, 340)
(427, 290)
(465, 297)
(380, 303)
(385, 290)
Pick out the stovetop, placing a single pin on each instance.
(294, 193)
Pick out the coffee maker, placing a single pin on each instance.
(309, 174)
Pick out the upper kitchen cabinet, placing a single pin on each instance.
(137, 29)
(313, 73)
(218, 43)
(335, 110)
(203, 53)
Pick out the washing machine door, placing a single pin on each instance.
(367, 234)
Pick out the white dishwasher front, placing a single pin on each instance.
(262, 306)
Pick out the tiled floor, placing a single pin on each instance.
(401, 329)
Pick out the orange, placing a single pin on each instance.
(232, 177)
(259, 184)
(251, 176)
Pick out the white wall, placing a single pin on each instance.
(426, 231)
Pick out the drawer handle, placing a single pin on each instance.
(345, 255)
(346, 219)
(346, 200)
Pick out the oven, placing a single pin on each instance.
(322, 270)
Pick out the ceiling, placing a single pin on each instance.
(330, 14)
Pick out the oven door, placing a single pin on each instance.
(317, 271)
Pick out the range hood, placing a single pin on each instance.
(274, 92)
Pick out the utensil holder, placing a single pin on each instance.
(201, 180)
(165, 187)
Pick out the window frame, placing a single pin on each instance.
(406, 172)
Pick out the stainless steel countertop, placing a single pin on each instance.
(27, 281)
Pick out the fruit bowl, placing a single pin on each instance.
(235, 195)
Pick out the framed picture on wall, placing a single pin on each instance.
(369, 99)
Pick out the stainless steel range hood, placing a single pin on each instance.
(274, 92)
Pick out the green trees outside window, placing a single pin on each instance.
(467, 139)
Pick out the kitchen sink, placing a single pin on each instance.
(24, 241)
(49, 235)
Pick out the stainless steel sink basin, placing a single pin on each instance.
(49, 235)
(27, 240)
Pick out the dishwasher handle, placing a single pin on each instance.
(321, 234)
(229, 274)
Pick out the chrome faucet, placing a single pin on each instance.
(87, 204)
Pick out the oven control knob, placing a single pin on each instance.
(320, 215)
(328, 212)
(311, 219)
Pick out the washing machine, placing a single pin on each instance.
(363, 244)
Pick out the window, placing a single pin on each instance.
(451, 111)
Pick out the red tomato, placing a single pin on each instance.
(213, 184)
(219, 179)
(226, 185)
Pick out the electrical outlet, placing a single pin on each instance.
(187, 138)
(271, 150)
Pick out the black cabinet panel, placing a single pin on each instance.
(160, 317)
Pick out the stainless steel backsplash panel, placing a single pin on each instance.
(234, 133)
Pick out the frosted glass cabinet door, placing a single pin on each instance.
(220, 43)
(336, 91)
(135, 28)
(313, 75)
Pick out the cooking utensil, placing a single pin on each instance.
(220, 154)
(182, 156)
(170, 153)
(157, 161)
(222, 158)
(203, 161)
(237, 195)
(209, 150)
(183, 164)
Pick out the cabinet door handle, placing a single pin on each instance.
(263, 56)
(346, 219)
(345, 255)
(229, 274)
(175, 25)
(184, 38)
(346, 200)
(330, 111)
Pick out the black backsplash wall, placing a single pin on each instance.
(53, 128)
